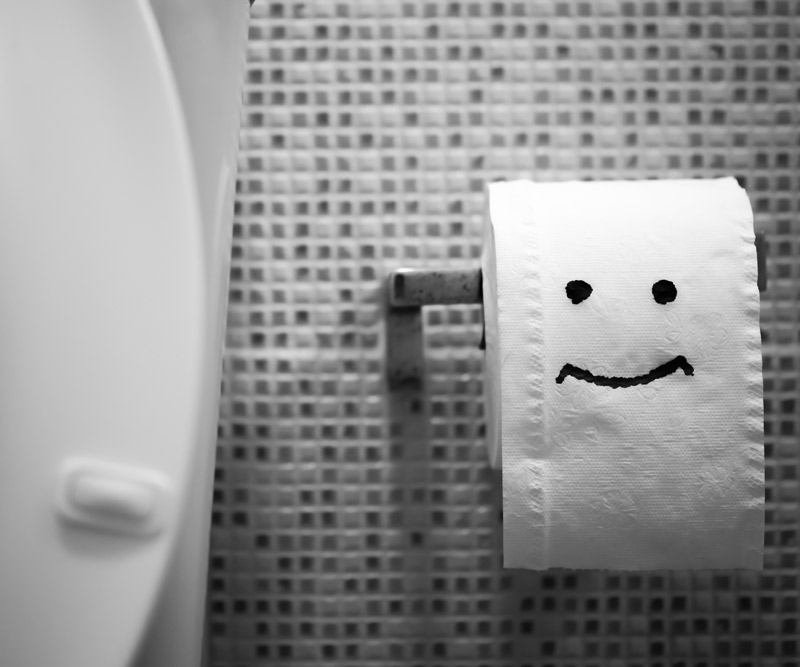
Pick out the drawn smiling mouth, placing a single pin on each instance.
(661, 371)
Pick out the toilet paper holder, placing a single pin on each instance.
(412, 289)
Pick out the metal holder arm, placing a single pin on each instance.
(412, 289)
(409, 291)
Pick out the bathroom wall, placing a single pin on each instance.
(354, 526)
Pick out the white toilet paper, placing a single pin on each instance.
(623, 374)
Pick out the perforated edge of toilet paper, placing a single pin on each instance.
(515, 263)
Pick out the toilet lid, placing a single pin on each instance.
(101, 327)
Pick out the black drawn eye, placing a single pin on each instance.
(578, 290)
(664, 291)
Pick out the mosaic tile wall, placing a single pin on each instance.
(353, 526)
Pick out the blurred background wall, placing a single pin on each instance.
(353, 526)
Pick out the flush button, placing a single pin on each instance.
(112, 497)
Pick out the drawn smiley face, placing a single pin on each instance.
(664, 292)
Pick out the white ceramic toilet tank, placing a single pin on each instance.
(118, 136)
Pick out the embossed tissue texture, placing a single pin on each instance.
(665, 470)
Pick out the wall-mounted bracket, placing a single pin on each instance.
(412, 289)
(409, 291)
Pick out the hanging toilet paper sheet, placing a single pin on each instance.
(623, 374)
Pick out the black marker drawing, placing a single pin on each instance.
(578, 290)
(664, 291)
(661, 371)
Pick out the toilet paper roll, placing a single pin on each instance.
(623, 374)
